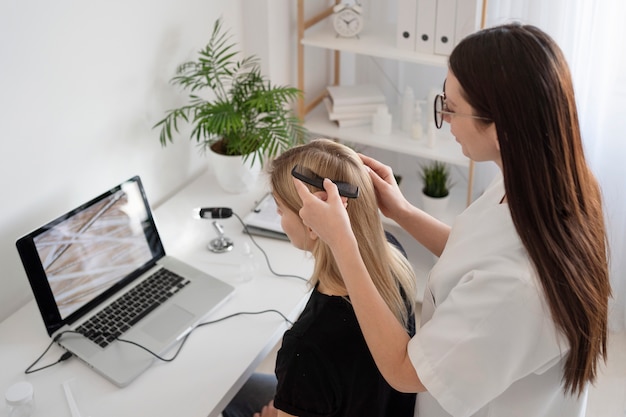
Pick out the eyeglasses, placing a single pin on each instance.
(441, 109)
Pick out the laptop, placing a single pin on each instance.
(97, 258)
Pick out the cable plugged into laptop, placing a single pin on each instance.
(65, 356)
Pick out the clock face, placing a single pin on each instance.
(347, 23)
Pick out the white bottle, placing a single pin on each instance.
(417, 130)
(248, 268)
(381, 121)
(407, 110)
(430, 134)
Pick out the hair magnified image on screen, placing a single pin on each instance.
(90, 251)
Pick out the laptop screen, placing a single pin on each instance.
(91, 251)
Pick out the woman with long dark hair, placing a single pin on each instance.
(514, 319)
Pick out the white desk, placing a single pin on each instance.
(216, 359)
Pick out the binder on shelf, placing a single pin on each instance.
(425, 26)
(468, 15)
(264, 220)
(406, 26)
(445, 26)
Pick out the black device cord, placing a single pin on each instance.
(267, 260)
(68, 355)
(65, 356)
(184, 339)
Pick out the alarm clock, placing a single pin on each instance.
(347, 20)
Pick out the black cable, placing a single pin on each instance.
(65, 356)
(68, 354)
(267, 260)
(180, 347)
(271, 310)
(184, 339)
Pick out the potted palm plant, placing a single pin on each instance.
(436, 188)
(246, 118)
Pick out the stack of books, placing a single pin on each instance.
(353, 105)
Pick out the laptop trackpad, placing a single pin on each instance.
(169, 322)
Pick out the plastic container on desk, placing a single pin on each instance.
(20, 399)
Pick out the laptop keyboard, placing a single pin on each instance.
(122, 314)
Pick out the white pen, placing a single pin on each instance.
(70, 399)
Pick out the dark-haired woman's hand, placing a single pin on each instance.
(390, 199)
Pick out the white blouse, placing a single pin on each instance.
(487, 345)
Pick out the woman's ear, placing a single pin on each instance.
(312, 235)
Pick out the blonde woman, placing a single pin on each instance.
(324, 367)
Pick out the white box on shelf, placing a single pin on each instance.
(445, 26)
(425, 26)
(406, 24)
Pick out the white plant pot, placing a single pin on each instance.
(436, 207)
(233, 174)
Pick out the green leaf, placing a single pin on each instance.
(436, 178)
(251, 115)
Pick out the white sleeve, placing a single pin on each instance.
(491, 330)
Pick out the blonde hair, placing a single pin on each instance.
(390, 271)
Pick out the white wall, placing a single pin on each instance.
(82, 84)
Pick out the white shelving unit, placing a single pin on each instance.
(378, 43)
(381, 44)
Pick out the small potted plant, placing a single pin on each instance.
(436, 187)
(247, 116)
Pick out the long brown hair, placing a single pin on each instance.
(517, 76)
(390, 271)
